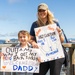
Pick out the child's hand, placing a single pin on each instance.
(39, 59)
(1, 54)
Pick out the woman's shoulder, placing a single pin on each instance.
(34, 24)
(56, 22)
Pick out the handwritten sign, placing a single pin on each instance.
(49, 43)
(15, 59)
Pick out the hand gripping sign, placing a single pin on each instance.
(49, 43)
(15, 59)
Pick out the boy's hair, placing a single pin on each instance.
(24, 33)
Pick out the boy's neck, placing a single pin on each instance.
(24, 45)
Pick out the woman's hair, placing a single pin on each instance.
(50, 18)
(24, 33)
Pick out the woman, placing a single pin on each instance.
(45, 17)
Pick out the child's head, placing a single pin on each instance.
(23, 36)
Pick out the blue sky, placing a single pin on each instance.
(17, 15)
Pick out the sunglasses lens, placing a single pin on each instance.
(41, 10)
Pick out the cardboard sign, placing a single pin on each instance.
(16, 59)
(49, 43)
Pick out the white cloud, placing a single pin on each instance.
(9, 34)
(14, 1)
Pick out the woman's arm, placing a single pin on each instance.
(32, 42)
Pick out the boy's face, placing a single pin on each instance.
(23, 38)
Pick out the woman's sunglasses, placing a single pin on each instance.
(41, 10)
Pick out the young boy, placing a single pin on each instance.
(24, 39)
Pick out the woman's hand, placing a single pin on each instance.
(34, 44)
(59, 30)
(61, 36)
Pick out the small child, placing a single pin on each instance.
(24, 39)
